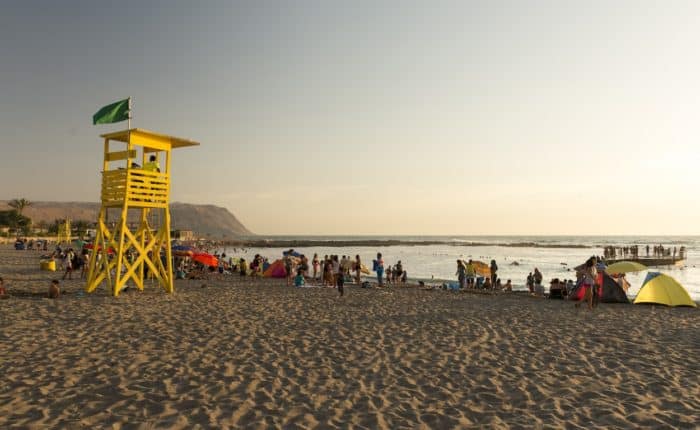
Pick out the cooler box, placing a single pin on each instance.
(49, 265)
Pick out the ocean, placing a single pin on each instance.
(554, 256)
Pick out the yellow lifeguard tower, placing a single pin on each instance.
(64, 232)
(136, 192)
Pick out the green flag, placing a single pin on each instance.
(115, 112)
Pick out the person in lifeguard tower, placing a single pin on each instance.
(152, 165)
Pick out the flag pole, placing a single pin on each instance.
(129, 117)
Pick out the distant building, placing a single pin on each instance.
(184, 235)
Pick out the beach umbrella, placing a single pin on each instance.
(183, 248)
(206, 259)
(625, 267)
(183, 251)
(482, 269)
(662, 289)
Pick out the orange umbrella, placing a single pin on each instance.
(482, 269)
(206, 259)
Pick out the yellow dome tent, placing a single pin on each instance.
(663, 290)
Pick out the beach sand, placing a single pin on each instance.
(256, 354)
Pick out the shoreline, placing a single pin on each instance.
(307, 243)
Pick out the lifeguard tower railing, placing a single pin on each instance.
(141, 188)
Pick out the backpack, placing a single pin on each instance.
(375, 265)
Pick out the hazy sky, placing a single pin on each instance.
(371, 117)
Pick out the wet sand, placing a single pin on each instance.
(256, 354)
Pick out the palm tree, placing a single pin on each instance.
(19, 204)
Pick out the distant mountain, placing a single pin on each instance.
(205, 220)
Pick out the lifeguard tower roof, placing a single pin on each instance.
(149, 140)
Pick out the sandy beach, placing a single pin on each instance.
(252, 353)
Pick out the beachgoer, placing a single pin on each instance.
(3, 292)
(337, 271)
(461, 274)
(494, 271)
(530, 283)
(379, 263)
(299, 279)
(304, 265)
(487, 284)
(315, 264)
(388, 275)
(68, 263)
(54, 291)
(243, 267)
(288, 266)
(508, 286)
(340, 281)
(470, 272)
(328, 280)
(537, 277)
(358, 270)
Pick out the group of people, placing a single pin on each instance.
(469, 278)
(632, 251)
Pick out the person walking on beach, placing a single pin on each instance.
(379, 268)
(494, 272)
(358, 270)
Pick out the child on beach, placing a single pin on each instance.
(299, 279)
(379, 264)
(54, 291)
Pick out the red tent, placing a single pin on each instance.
(276, 270)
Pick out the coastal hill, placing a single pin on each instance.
(205, 220)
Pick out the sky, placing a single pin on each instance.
(371, 117)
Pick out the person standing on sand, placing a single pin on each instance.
(315, 264)
(461, 274)
(68, 263)
(358, 270)
(337, 271)
(494, 271)
(328, 273)
(288, 266)
(340, 282)
(471, 274)
(379, 266)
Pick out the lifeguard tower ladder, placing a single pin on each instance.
(120, 254)
(64, 232)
